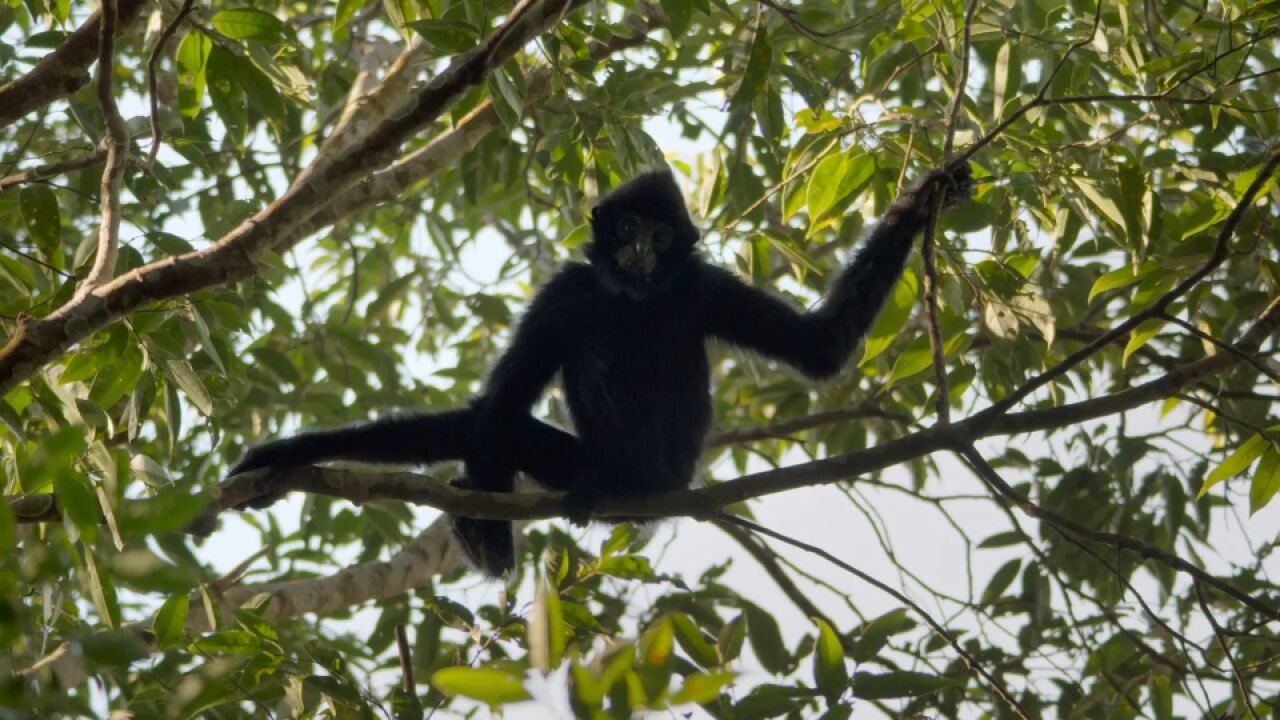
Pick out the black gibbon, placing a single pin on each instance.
(627, 333)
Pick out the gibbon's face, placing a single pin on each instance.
(641, 234)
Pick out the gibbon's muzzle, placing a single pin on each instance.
(638, 258)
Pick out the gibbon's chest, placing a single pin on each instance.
(626, 344)
(649, 357)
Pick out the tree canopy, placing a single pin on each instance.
(1045, 486)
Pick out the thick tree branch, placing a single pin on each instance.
(64, 70)
(235, 255)
(444, 150)
(430, 554)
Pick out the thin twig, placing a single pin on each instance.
(1226, 651)
(407, 682)
(1219, 255)
(152, 62)
(995, 685)
(1228, 347)
(51, 170)
(765, 556)
(989, 475)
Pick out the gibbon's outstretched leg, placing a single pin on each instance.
(819, 342)
(547, 453)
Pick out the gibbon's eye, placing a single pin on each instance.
(627, 228)
(662, 237)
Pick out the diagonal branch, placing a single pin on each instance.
(235, 256)
(996, 686)
(63, 71)
(1006, 491)
(1157, 308)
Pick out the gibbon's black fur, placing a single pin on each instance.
(627, 333)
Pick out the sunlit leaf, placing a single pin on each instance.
(493, 687)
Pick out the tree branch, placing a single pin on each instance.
(52, 170)
(62, 71)
(969, 661)
(1123, 542)
(152, 62)
(235, 255)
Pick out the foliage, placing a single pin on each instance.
(1113, 142)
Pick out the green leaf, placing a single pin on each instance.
(171, 620)
(117, 648)
(1100, 199)
(729, 641)
(278, 364)
(347, 9)
(260, 91)
(701, 687)
(1236, 463)
(1001, 539)
(487, 685)
(693, 642)
(916, 358)
(1139, 337)
(42, 218)
(870, 686)
(829, 673)
(507, 101)
(766, 640)
(76, 499)
(875, 634)
(448, 37)
(8, 524)
(338, 690)
(235, 642)
(679, 14)
(1119, 278)
(192, 58)
(1000, 581)
(834, 178)
(249, 24)
(756, 74)
(225, 93)
(1266, 480)
(1161, 698)
(179, 370)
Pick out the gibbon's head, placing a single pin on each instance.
(641, 233)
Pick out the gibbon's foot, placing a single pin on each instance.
(267, 484)
(578, 507)
(488, 544)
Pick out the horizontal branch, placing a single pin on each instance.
(52, 170)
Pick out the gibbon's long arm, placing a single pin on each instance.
(526, 368)
(819, 342)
